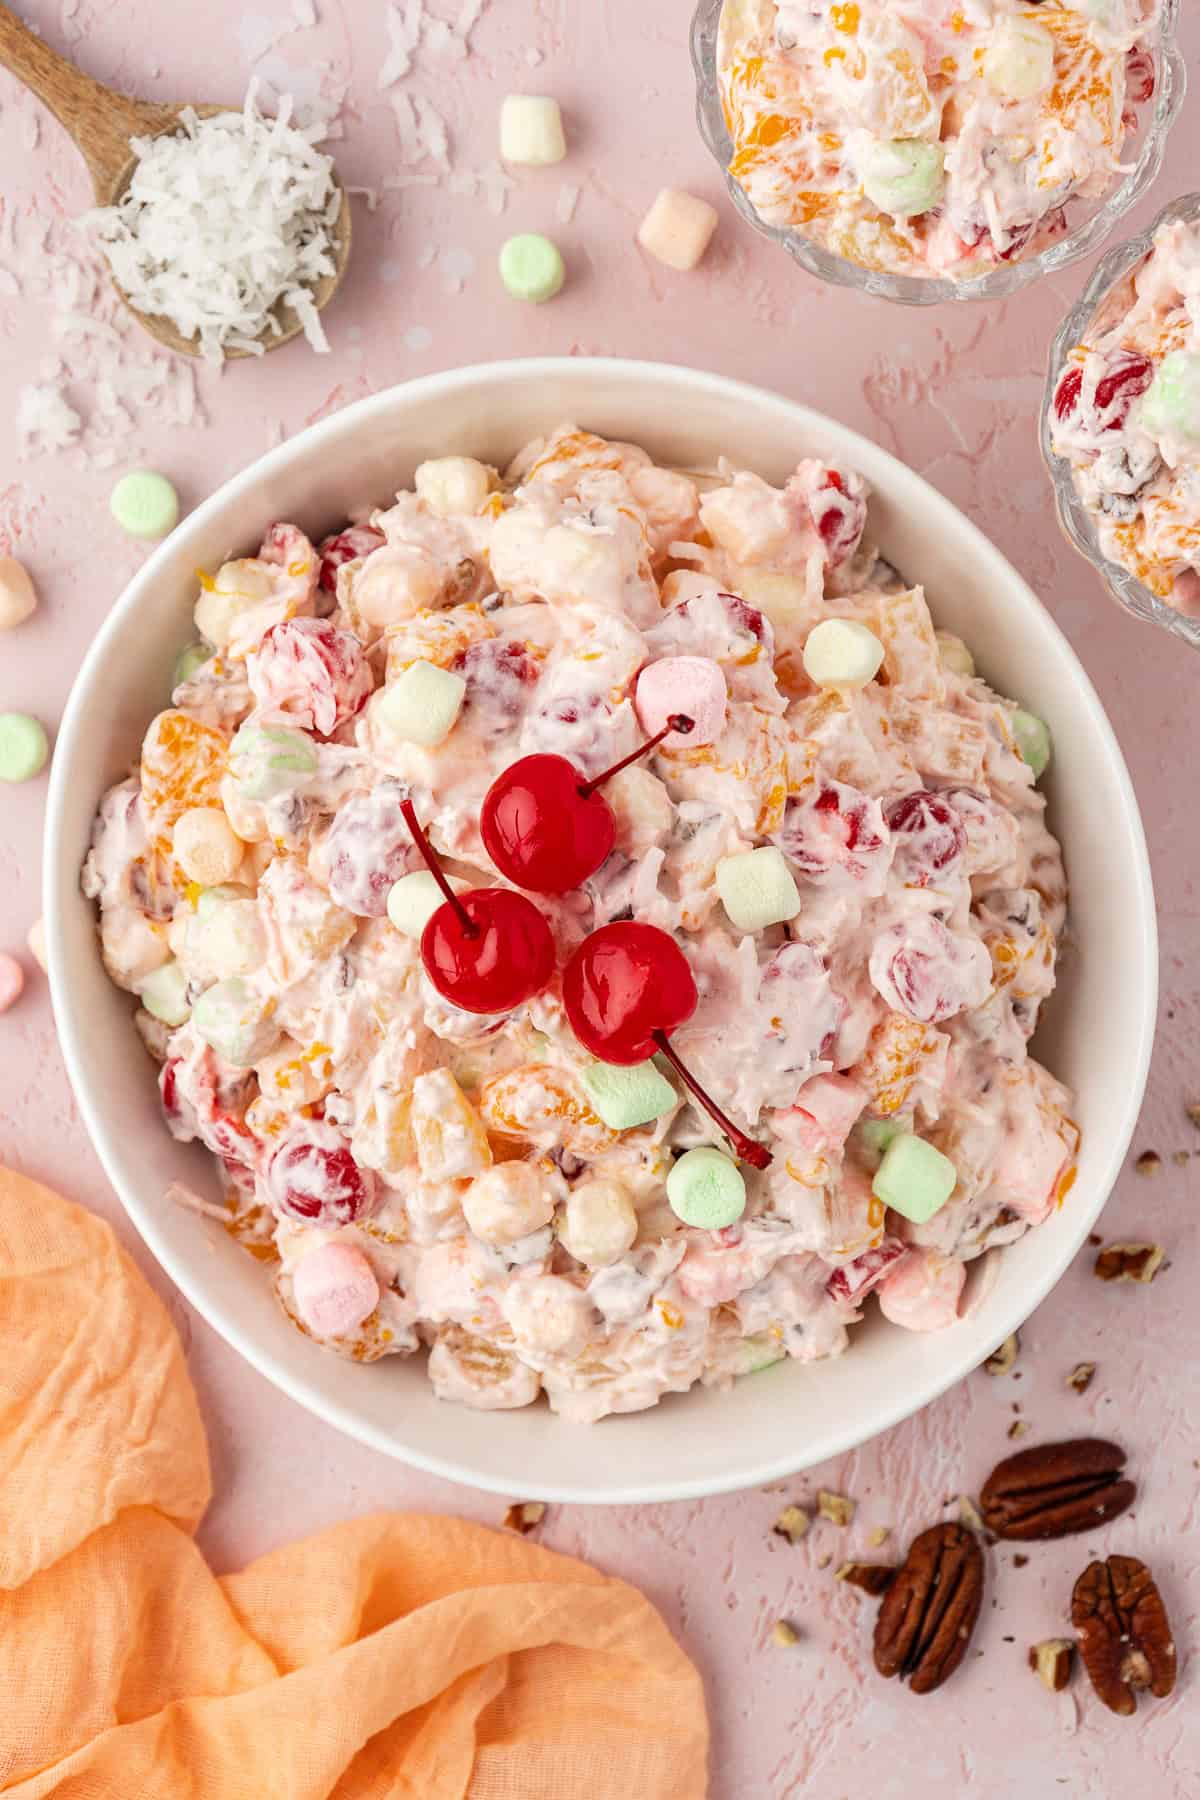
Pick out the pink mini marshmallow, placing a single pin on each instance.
(694, 685)
(334, 1289)
(922, 1292)
(12, 981)
(826, 1107)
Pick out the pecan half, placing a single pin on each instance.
(1124, 1634)
(1053, 1490)
(930, 1609)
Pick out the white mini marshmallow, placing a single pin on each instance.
(757, 889)
(423, 705)
(1019, 61)
(694, 685)
(206, 846)
(842, 653)
(453, 484)
(164, 994)
(678, 229)
(335, 1289)
(531, 131)
(18, 596)
(413, 900)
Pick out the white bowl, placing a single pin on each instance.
(1097, 1033)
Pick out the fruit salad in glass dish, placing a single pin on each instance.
(597, 923)
(1123, 415)
(942, 140)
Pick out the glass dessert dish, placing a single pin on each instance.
(1101, 302)
(1088, 223)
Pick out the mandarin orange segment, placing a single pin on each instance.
(182, 765)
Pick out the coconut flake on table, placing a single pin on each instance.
(222, 221)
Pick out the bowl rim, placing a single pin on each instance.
(60, 885)
(998, 283)
(1078, 526)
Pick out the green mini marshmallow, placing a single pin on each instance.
(1171, 408)
(164, 993)
(954, 654)
(625, 1097)
(230, 1018)
(914, 1178)
(706, 1189)
(532, 268)
(144, 504)
(876, 1135)
(193, 657)
(24, 747)
(903, 176)
(1033, 741)
(266, 759)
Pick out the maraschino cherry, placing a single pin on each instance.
(487, 950)
(547, 826)
(625, 989)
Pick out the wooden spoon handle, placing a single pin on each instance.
(100, 120)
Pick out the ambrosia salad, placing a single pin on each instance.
(594, 1083)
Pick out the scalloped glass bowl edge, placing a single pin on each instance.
(916, 290)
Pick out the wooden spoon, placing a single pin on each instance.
(101, 123)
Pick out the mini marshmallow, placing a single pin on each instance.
(954, 655)
(266, 760)
(548, 1316)
(914, 1179)
(413, 900)
(422, 707)
(903, 176)
(36, 941)
(230, 1018)
(1171, 408)
(1019, 60)
(334, 1289)
(706, 1189)
(164, 994)
(757, 889)
(599, 1223)
(12, 981)
(694, 685)
(507, 1202)
(531, 131)
(224, 936)
(18, 596)
(24, 747)
(190, 658)
(876, 1135)
(206, 847)
(532, 268)
(842, 653)
(1032, 738)
(451, 485)
(628, 1096)
(144, 504)
(678, 229)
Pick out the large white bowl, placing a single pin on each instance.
(1097, 1033)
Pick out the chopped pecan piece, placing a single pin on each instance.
(525, 1516)
(968, 1513)
(1148, 1163)
(930, 1609)
(1052, 1662)
(1124, 1634)
(784, 1635)
(872, 1578)
(791, 1524)
(879, 1535)
(835, 1507)
(1053, 1490)
(1080, 1377)
(1130, 1262)
(1001, 1361)
(1018, 1428)
(1193, 1113)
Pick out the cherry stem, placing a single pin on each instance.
(677, 722)
(469, 927)
(757, 1155)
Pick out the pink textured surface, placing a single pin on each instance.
(954, 394)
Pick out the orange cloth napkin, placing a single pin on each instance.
(397, 1658)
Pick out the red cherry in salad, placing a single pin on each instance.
(546, 826)
(487, 951)
(626, 988)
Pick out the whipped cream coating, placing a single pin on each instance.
(931, 137)
(527, 1245)
(1126, 415)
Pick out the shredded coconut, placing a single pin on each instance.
(568, 200)
(46, 421)
(222, 221)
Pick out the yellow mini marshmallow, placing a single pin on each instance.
(1019, 61)
(206, 846)
(678, 229)
(842, 653)
(413, 900)
(531, 131)
(757, 889)
(453, 484)
(599, 1223)
(422, 707)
